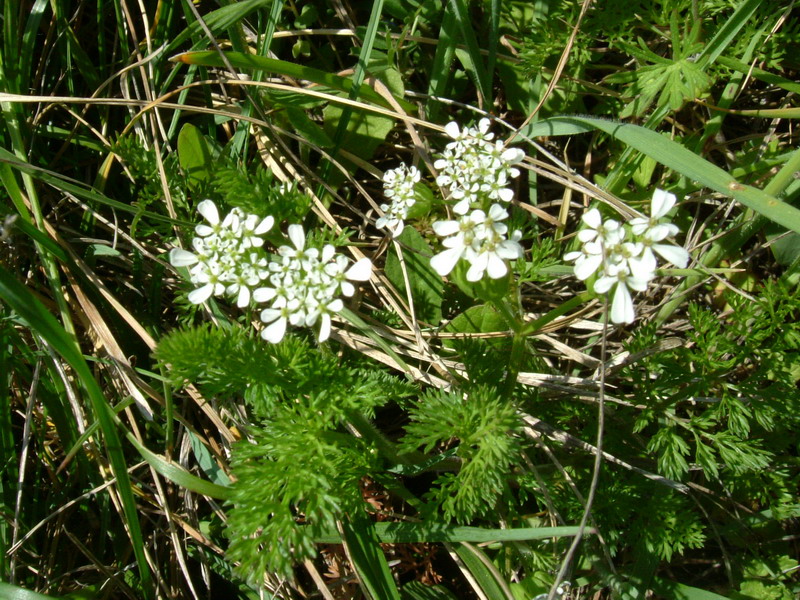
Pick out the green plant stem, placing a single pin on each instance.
(371, 433)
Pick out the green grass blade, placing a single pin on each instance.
(79, 189)
(216, 21)
(178, 475)
(679, 591)
(25, 304)
(418, 533)
(671, 154)
(760, 74)
(441, 72)
(474, 65)
(728, 32)
(250, 62)
(477, 563)
(368, 560)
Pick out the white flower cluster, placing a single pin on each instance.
(625, 254)
(398, 187)
(305, 285)
(476, 171)
(226, 259)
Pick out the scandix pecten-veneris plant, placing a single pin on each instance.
(302, 285)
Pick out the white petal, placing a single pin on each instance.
(622, 305)
(497, 267)
(201, 294)
(361, 271)
(445, 228)
(512, 156)
(324, 327)
(661, 203)
(298, 236)
(585, 268)
(275, 332)
(265, 225)
(327, 253)
(264, 294)
(348, 289)
(335, 306)
(244, 296)
(397, 229)
(203, 230)
(674, 254)
(509, 250)
(661, 232)
(181, 258)
(444, 262)
(209, 211)
(478, 267)
(592, 218)
(506, 195)
(462, 207)
(451, 129)
(603, 284)
(497, 213)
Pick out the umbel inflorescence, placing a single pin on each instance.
(474, 173)
(622, 256)
(302, 285)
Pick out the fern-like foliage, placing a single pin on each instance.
(484, 425)
(294, 482)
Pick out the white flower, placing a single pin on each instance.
(224, 260)
(626, 265)
(619, 275)
(398, 185)
(655, 228)
(482, 240)
(587, 260)
(460, 236)
(475, 171)
(306, 283)
(608, 232)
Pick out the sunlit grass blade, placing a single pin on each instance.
(249, 62)
(441, 71)
(473, 61)
(364, 551)
(44, 324)
(681, 160)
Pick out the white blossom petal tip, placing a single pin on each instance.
(661, 203)
(360, 271)
(208, 209)
(178, 257)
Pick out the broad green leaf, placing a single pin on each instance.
(483, 318)
(195, 155)
(427, 288)
(307, 128)
(12, 592)
(678, 158)
(364, 133)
